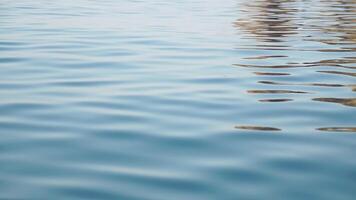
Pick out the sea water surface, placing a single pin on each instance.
(180, 99)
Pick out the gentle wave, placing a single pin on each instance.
(177, 100)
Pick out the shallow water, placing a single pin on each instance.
(177, 99)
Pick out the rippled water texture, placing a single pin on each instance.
(181, 99)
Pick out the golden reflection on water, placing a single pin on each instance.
(281, 28)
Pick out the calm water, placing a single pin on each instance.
(181, 99)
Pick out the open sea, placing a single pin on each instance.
(178, 100)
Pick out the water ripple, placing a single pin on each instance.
(173, 100)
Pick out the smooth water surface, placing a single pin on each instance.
(181, 99)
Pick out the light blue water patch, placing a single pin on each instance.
(180, 99)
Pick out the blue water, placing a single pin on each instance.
(181, 99)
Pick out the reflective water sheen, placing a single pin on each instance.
(181, 99)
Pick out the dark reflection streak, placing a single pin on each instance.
(275, 100)
(338, 129)
(339, 73)
(258, 128)
(330, 42)
(271, 74)
(273, 66)
(338, 50)
(344, 101)
(264, 47)
(335, 62)
(304, 84)
(270, 45)
(291, 65)
(264, 57)
(257, 47)
(276, 92)
(325, 85)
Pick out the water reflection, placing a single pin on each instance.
(342, 62)
(338, 129)
(271, 74)
(276, 92)
(287, 65)
(341, 23)
(344, 101)
(258, 128)
(295, 45)
(306, 84)
(136, 99)
(275, 100)
(339, 73)
(268, 20)
(266, 57)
